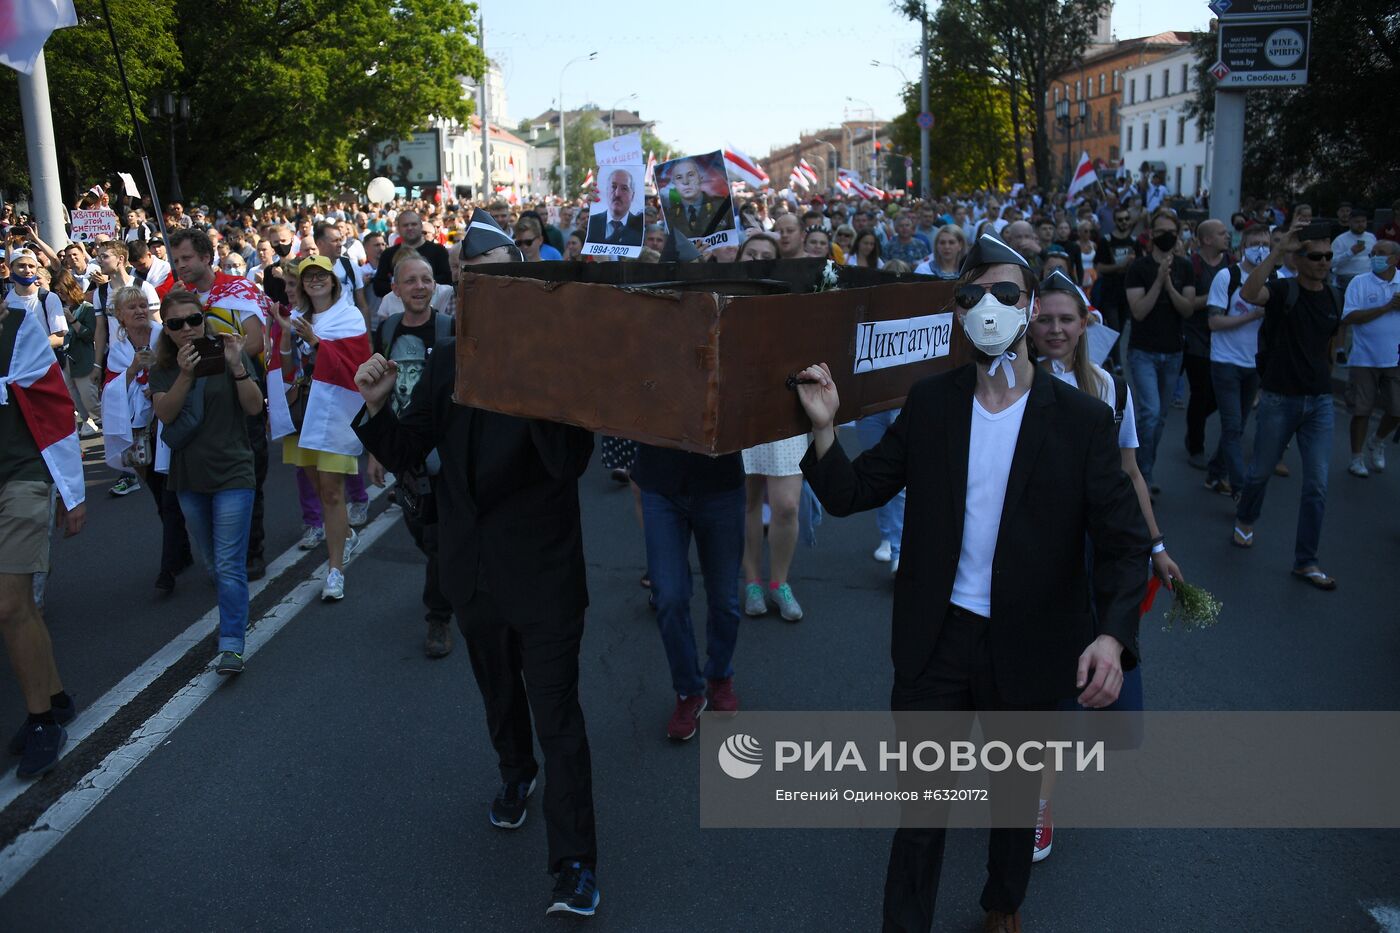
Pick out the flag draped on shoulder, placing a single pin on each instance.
(232, 298)
(743, 167)
(333, 401)
(35, 384)
(125, 408)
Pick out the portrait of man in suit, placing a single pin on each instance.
(688, 207)
(616, 223)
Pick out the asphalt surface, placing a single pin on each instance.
(342, 782)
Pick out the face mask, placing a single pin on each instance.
(1379, 264)
(1164, 241)
(993, 327)
(1255, 255)
(23, 279)
(282, 249)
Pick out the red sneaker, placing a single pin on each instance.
(722, 697)
(685, 720)
(1044, 832)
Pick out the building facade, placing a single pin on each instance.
(1094, 92)
(850, 145)
(1156, 134)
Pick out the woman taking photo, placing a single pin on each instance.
(1057, 342)
(320, 440)
(949, 247)
(211, 465)
(866, 252)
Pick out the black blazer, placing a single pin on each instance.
(507, 494)
(629, 235)
(1066, 483)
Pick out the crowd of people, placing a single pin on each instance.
(191, 351)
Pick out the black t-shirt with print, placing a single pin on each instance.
(412, 347)
(1294, 342)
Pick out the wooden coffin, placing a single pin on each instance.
(701, 363)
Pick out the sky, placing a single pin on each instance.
(729, 73)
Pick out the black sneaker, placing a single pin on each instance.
(61, 715)
(165, 581)
(575, 892)
(508, 809)
(42, 743)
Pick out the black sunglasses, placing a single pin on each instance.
(525, 244)
(1320, 257)
(1008, 293)
(180, 323)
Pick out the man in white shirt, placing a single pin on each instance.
(1156, 192)
(1372, 309)
(1234, 344)
(23, 296)
(1351, 250)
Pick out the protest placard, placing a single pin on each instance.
(615, 219)
(90, 226)
(696, 200)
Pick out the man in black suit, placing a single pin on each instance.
(617, 225)
(510, 547)
(1007, 471)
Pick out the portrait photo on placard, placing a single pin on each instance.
(615, 224)
(696, 200)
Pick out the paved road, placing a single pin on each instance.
(342, 782)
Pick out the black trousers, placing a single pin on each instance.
(175, 554)
(257, 439)
(533, 668)
(426, 537)
(1200, 406)
(959, 677)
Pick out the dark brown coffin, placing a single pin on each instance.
(692, 365)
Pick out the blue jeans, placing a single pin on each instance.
(1235, 388)
(717, 522)
(219, 524)
(1154, 377)
(890, 516)
(1281, 417)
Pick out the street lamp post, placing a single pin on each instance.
(563, 160)
(177, 113)
(874, 162)
(612, 112)
(1063, 118)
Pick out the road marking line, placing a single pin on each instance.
(69, 810)
(94, 717)
(1387, 916)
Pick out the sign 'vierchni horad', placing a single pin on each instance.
(698, 357)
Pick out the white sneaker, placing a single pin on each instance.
(358, 513)
(894, 566)
(89, 429)
(312, 537)
(352, 541)
(1358, 467)
(882, 553)
(334, 587)
(1376, 450)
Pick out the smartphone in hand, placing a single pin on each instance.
(211, 356)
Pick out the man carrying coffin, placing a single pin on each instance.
(1007, 470)
(507, 503)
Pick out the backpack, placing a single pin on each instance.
(1268, 330)
(350, 271)
(442, 329)
(1120, 399)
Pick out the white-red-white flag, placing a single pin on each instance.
(806, 169)
(35, 383)
(798, 180)
(587, 181)
(1084, 176)
(334, 401)
(25, 25)
(745, 168)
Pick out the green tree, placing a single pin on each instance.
(1331, 140)
(92, 125)
(971, 144)
(288, 96)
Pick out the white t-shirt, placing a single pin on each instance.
(1375, 343)
(355, 250)
(443, 302)
(52, 313)
(989, 452)
(1239, 345)
(1127, 428)
(851, 261)
(1344, 261)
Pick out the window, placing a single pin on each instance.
(1113, 153)
(1078, 90)
(1178, 179)
(1101, 77)
(1098, 122)
(1162, 134)
(1057, 95)
(1146, 135)
(1200, 178)
(1117, 80)
(1200, 132)
(1128, 138)
(1147, 91)
(1185, 77)
(1181, 131)
(1132, 91)
(1166, 82)
(1113, 115)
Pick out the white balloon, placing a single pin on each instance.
(381, 189)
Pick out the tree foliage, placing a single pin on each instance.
(971, 144)
(92, 124)
(285, 95)
(1333, 139)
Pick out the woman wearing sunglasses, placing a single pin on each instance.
(211, 467)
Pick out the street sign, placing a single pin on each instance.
(925, 120)
(1219, 70)
(1274, 9)
(1264, 53)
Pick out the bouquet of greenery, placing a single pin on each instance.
(1193, 608)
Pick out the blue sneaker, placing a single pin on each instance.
(61, 715)
(575, 892)
(42, 743)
